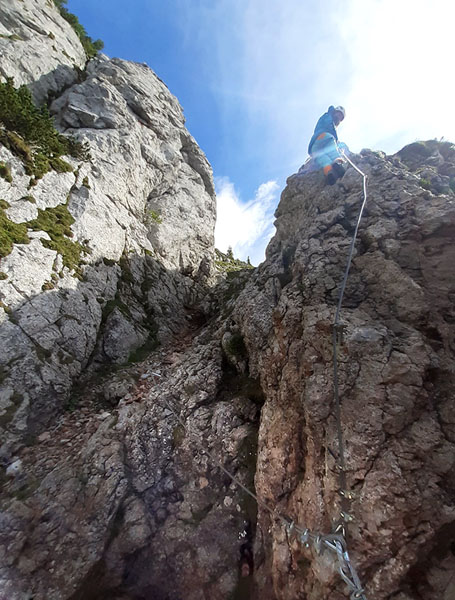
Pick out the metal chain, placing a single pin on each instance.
(334, 542)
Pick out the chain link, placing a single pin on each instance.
(335, 542)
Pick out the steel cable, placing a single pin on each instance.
(336, 542)
(337, 331)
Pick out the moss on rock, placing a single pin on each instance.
(11, 233)
(56, 222)
(5, 172)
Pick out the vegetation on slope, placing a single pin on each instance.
(56, 222)
(10, 233)
(226, 263)
(29, 133)
(91, 47)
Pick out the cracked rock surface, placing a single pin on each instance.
(396, 377)
(38, 47)
(120, 498)
(143, 211)
(124, 502)
(128, 379)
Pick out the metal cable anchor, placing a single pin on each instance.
(340, 330)
(347, 570)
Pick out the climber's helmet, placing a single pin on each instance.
(338, 115)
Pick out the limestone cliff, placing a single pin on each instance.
(38, 47)
(129, 381)
(114, 249)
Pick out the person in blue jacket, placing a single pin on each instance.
(323, 147)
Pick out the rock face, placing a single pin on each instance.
(137, 250)
(123, 498)
(38, 47)
(129, 494)
(396, 375)
(125, 503)
(149, 181)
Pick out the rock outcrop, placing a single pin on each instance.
(128, 486)
(38, 47)
(124, 502)
(117, 250)
(396, 377)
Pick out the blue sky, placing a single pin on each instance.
(253, 76)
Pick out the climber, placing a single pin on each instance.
(324, 148)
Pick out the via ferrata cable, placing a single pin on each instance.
(337, 334)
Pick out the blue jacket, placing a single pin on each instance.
(324, 125)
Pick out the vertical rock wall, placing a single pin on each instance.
(396, 378)
(118, 499)
(38, 47)
(114, 251)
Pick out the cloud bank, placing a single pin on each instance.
(245, 226)
(272, 69)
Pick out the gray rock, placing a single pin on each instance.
(14, 469)
(131, 502)
(143, 160)
(394, 377)
(149, 183)
(38, 47)
(121, 337)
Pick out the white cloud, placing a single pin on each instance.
(272, 69)
(246, 227)
(401, 83)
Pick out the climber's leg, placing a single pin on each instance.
(338, 168)
(325, 153)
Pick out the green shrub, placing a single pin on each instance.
(425, 183)
(236, 346)
(91, 47)
(18, 113)
(76, 149)
(5, 172)
(153, 217)
(3, 275)
(29, 133)
(11, 233)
